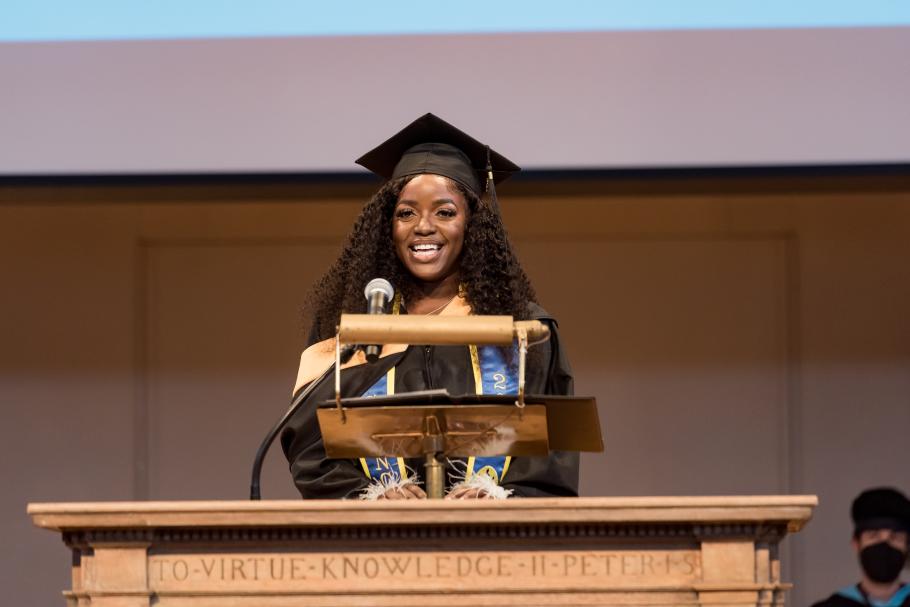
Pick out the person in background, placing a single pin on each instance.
(881, 519)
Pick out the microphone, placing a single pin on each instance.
(379, 293)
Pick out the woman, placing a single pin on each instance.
(434, 231)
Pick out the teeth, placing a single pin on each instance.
(426, 247)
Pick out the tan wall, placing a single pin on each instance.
(737, 343)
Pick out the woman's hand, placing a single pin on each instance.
(406, 492)
(467, 493)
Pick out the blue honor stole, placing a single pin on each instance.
(383, 469)
(493, 374)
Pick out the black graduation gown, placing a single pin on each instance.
(427, 368)
(839, 599)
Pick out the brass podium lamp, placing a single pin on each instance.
(435, 424)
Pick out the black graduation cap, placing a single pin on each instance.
(432, 145)
(881, 508)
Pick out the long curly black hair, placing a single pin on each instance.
(493, 278)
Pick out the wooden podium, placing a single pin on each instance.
(565, 551)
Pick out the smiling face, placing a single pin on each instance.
(428, 227)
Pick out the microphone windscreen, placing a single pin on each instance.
(379, 284)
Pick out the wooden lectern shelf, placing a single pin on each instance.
(560, 551)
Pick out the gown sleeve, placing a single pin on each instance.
(315, 475)
(556, 475)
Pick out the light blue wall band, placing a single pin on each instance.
(33, 20)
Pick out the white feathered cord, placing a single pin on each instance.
(378, 487)
(481, 482)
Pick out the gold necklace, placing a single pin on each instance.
(439, 309)
(461, 292)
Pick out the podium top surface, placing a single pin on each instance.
(793, 511)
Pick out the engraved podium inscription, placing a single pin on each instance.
(394, 570)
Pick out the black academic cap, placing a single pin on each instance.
(432, 145)
(881, 508)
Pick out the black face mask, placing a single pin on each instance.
(882, 562)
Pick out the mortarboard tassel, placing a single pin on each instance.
(489, 188)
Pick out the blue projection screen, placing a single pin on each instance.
(105, 87)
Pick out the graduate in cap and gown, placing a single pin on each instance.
(434, 231)
(881, 519)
